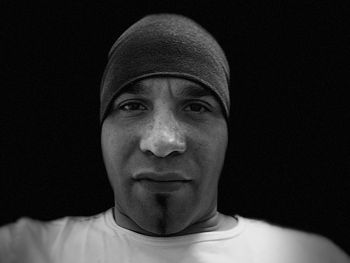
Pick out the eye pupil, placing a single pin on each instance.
(132, 106)
(196, 107)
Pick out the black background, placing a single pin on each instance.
(288, 160)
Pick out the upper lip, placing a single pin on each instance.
(161, 177)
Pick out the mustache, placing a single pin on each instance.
(163, 165)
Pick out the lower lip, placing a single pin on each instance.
(162, 186)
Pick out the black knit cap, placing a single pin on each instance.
(165, 45)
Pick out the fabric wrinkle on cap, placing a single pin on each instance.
(165, 45)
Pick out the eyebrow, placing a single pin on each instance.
(195, 91)
(191, 90)
(136, 89)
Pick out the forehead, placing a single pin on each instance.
(177, 86)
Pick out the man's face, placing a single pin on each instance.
(164, 144)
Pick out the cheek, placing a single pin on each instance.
(209, 148)
(117, 144)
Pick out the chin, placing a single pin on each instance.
(164, 219)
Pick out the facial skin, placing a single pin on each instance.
(163, 145)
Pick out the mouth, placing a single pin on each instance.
(164, 182)
(161, 177)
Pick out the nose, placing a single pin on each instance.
(163, 136)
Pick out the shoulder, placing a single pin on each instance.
(28, 227)
(288, 242)
(23, 228)
(26, 235)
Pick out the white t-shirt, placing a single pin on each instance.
(100, 239)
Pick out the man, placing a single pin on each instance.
(164, 110)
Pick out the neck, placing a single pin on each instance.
(213, 222)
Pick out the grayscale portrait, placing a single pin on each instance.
(173, 134)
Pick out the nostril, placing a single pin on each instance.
(162, 145)
(174, 154)
(163, 136)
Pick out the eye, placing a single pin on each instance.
(196, 107)
(132, 106)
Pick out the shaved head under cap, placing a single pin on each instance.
(165, 45)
